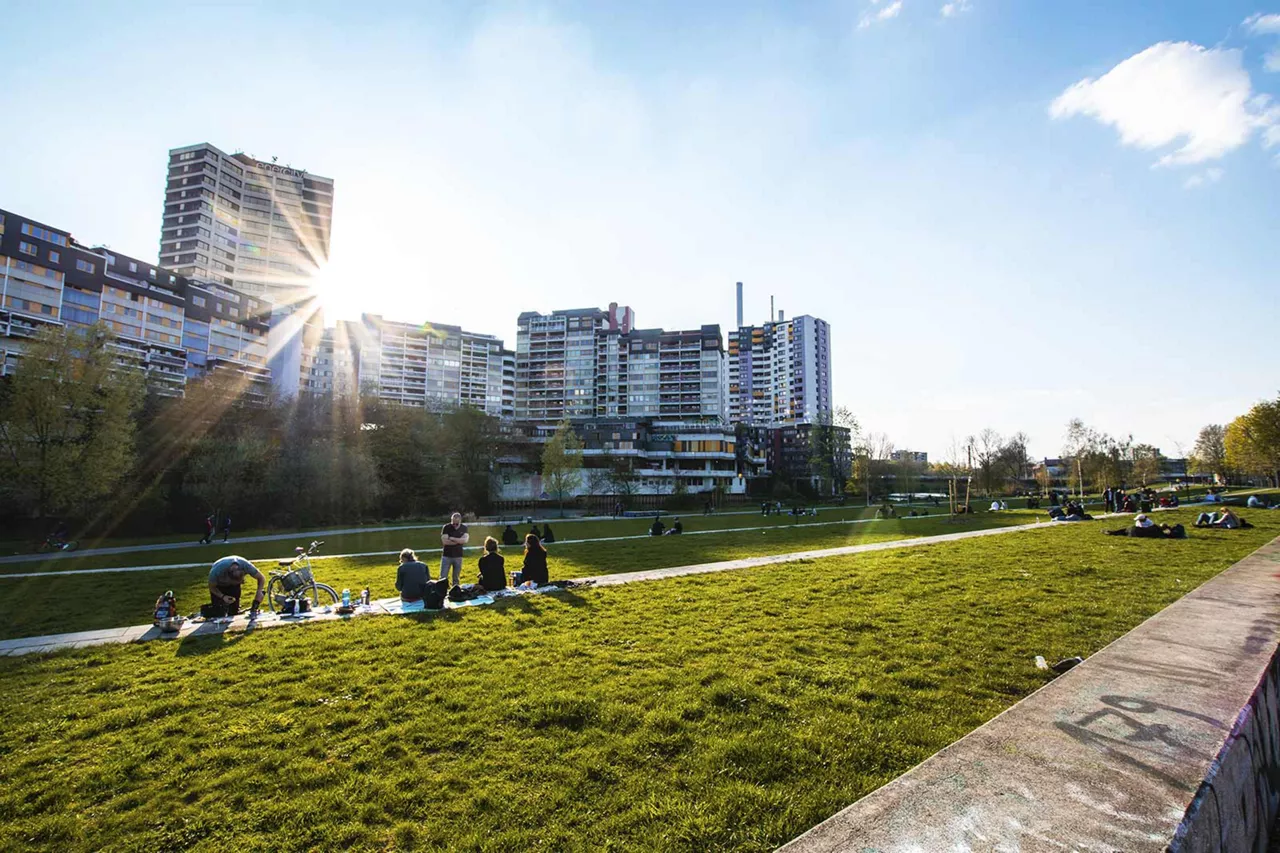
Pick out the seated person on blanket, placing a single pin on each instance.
(226, 579)
(535, 562)
(677, 527)
(1226, 519)
(657, 527)
(412, 577)
(547, 535)
(1256, 502)
(493, 572)
(510, 537)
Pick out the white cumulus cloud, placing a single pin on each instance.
(1210, 175)
(1175, 93)
(955, 7)
(1263, 24)
(889, 11)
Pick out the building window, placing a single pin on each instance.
(85, 266)
(27, 248)
(54, 257)
(153, 272)
(133, 267)
(43, 234)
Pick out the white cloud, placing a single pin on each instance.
(1210, 175)
(1272, 60)
(1175, 93)
(890, 11)
(1263, 24)
(956, 7)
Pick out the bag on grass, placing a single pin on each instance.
(434, 595)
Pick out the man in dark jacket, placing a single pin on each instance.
(412, 577)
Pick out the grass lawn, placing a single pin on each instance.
(62, 603)
(704, 713)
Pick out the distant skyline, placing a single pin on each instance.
(1010, 214)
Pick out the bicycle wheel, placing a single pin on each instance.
(275, 594)
(323, 595)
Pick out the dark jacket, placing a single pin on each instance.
(547, 535)
(493, 573)
(535, 566)
(510, 537)
(412, 579)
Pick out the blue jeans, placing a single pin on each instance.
(1206, 518)
(451, 562)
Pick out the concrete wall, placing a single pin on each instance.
(1168, 739)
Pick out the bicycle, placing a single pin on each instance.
(298, 582)
(56, 543)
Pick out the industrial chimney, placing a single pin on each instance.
(739, 305)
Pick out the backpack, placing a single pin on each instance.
(166, 606)
(433, 596)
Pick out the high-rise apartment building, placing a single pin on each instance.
(164, 324)
(589, 363)
(780, 373)
(433, 365)
(261, 228)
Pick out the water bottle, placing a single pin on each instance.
(364, 596)
(346, 598)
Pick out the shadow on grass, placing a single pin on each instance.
(196, 644)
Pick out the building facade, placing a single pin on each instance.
(258, 227)
(588, 363)
(780, 373)
(432, 365)
(164, 324)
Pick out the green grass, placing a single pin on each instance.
(63, 603)
(703, 713)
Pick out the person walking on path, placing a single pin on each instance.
(226, 528)
(453, 536)
(210, 525)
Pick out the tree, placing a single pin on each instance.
(469, 440)
(829, 450)
(987, 448)
(871, 461)
(67, 422)
(1209, 456)
(621, 476)
(1146, 463)
(562, 463)
(1252, 441)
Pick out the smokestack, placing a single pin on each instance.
(739, 326)
(771, 314)
(781, 315)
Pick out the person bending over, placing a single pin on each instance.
(412, 576)
(453, 536)
(493, 572)
(226, 580)
(535, 561)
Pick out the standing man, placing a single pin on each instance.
(453, 536)
(226, 579)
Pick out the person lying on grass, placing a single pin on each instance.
(226, 579)
(493, 572)
(1144, 528)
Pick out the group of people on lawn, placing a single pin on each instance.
(226, 577)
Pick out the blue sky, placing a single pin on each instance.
(993, 244)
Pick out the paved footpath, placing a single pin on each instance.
(344, 531)
(140, 633)
(424, 551)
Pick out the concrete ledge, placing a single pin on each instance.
(1168, 739)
